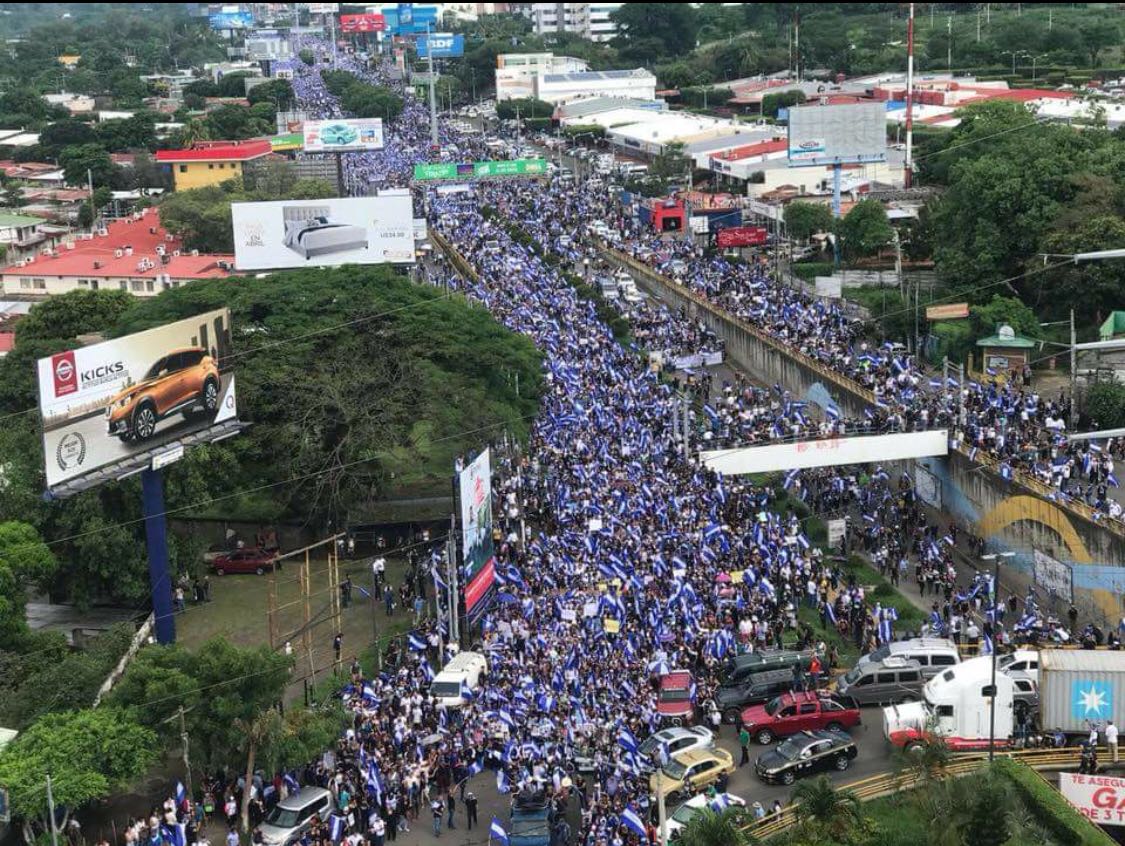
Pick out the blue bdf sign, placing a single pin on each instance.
(443, 44)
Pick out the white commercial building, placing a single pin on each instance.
(589, 20)
(650, 137)
(563, 87)
(516, 72)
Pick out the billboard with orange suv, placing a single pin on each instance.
(113, 401)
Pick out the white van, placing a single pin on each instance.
(462, 672)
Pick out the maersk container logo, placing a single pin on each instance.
(1091, 700)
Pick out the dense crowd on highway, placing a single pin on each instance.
(642, 561)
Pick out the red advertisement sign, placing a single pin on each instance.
(742, 236)
(362, 23)
(65, 374)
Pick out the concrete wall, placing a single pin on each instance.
(1014, 516)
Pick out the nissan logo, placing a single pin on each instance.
(64, 370)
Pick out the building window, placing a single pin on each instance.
(148, 285)
(183, 168)
(123, 285)
(210, 166)
(83, 283)
(41, 284)
(138, 285)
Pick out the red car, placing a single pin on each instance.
(792, 713)
(243, 561)
(675, 699)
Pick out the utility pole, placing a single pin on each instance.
(51, 811)
(90, 188)
(797, 45)
(908, 176)
(1073, 422)
(661, 810)
(433, 92)
(949, 43)
(375, 617)
(454, 591)
(978, 26)
(187, 761)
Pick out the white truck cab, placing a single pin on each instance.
(955, 707)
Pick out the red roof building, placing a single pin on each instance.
(135, 254)
(211, 162)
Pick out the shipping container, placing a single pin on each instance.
(1079, 687)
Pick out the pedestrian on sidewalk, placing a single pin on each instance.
(471, 809)
(1111, 739)
(744, 744)
(436, 808)
(451, 805)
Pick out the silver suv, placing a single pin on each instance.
(292, 816)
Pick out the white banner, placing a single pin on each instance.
(836, 532)
(1099, 798)
(829, 286)
(827, 453)
(323, 233)
(927, 486)
(699, 224)
(1053, 575)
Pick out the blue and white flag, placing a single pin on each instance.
(496, 832)
(832, 410)
(632, 821)
(626, 740)
(1112, 480)
(790, 477)
(181, 793)
(986, 646)
(336, 827)
(416, 642)
(173, 834)
(720, 803)
(502, 783)
(291, 782)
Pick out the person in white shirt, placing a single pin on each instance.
(1111, 739)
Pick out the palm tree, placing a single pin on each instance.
(832, 810)
(925, 762)
(255, 732)
(729, 827)
(194, 130)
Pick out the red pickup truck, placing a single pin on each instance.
(792, 713)
(675, 700)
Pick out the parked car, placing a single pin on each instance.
(675, 698)
(1026, 696)
(889, 681)
(1022, 660)
(793, 713)
(741, 667)
(805, 753)
(933, 654)
(185, 381)
(690, 771)
(676, 740)
(290, 818)
(244, 561)
(679, 819)
(756, 689)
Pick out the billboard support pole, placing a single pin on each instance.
(156, 542)
(908, 174)
(837, 170)
(340, 175)
(433, 91)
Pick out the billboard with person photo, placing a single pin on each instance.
(114, 401)
(476, 533)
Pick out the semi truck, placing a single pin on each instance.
(956, 707)
(1079, 688)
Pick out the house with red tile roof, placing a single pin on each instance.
(135, 254)
(211, 162)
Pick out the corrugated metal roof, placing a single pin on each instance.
(1082, 660)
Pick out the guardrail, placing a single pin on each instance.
(884, 784)
(1019, 477)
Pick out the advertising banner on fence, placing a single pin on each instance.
(444, 45)
(742, 236)
(362, 23)
(480, 170)
(111, 401)
(1099, 798)
(827, 453)
(343, 135)
(323, 233)
(479, 563)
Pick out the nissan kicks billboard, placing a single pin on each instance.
(111, 401)
(343, 135)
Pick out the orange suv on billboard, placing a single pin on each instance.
(179, 381)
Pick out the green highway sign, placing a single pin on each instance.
(435, 171)
(516, 167)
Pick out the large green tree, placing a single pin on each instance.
(88, 754)
(651, 31)
(24, 561)
(84, 162)
(865, 229)
(804, 219)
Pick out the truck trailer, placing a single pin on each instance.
(1079, 688)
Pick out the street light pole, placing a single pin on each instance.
(994, 591)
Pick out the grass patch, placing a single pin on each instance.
(877, 299)
(909, 615)
(845, 648)
(1049, 807)
(809, 270)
